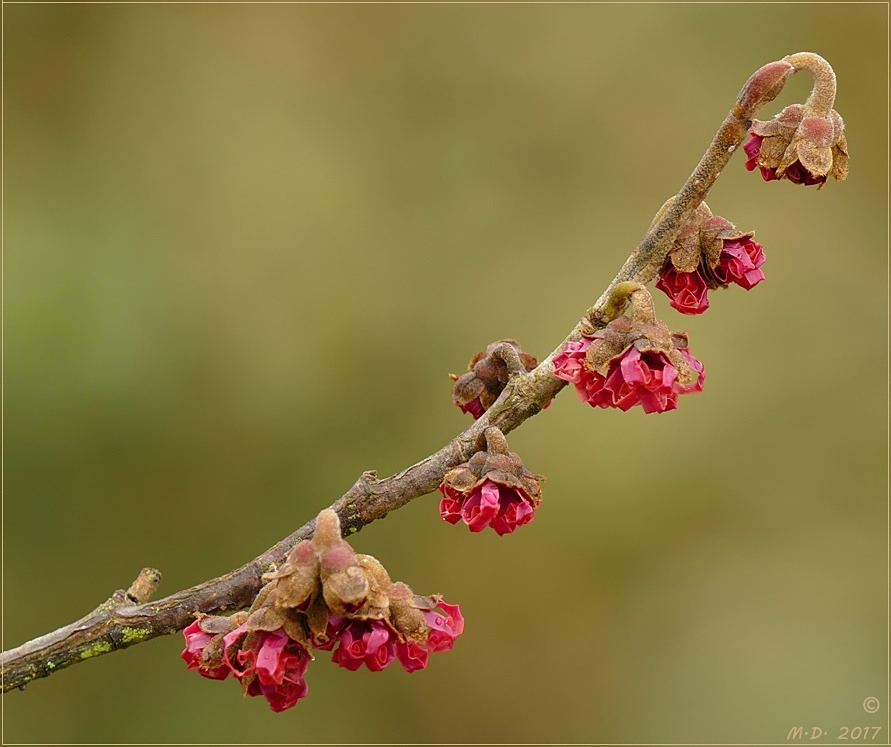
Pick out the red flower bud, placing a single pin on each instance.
(764, 86)
(487, 374)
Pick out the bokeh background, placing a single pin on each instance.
(245, 245)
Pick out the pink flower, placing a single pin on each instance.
(795, 172)
(648, 379)
(412, 655)
(274, 662)
(798, 174)
(276, 658)
(280, 697)
(474, 407)
(740, 262)
(196, 640)
(569, 363)
(753, 150)
(446, 623)
(369, 642)
(698, 367)
(375, 643)
(445, 626)
(688, 291)
(504, 508)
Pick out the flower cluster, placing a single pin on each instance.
(493, 489)
(799, 146)
(708, 253)
(487, 374)
(632, 361)
(325, 597)
(268, 663)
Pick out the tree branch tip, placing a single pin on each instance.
(144, 586)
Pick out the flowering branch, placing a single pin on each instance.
(521, 390)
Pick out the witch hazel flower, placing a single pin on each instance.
(324, 597)
(267, 663)
(204, 648)
(494, 489)
(632, 361)
(805, 150)
(377, 643)
(804, 143)
(708, 253)
(487, 374)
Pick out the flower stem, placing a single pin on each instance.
(643, 310)
(822, 98)
(509, 356)
(619, 298)
(496, 443)
(644, 262)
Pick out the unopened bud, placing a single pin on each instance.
(763, 87)
(327, 533)
(298, 578)
(377, 601)
(487, 374)
(344, 584)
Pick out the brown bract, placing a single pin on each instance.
(818, 143)
(377, 601)
(611, 343)
(217, 626)
(405, 610)
(505, 469)
(298, 577)
(700, 242)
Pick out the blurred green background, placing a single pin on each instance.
(245, 245)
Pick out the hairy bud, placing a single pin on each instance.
(762, 87)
